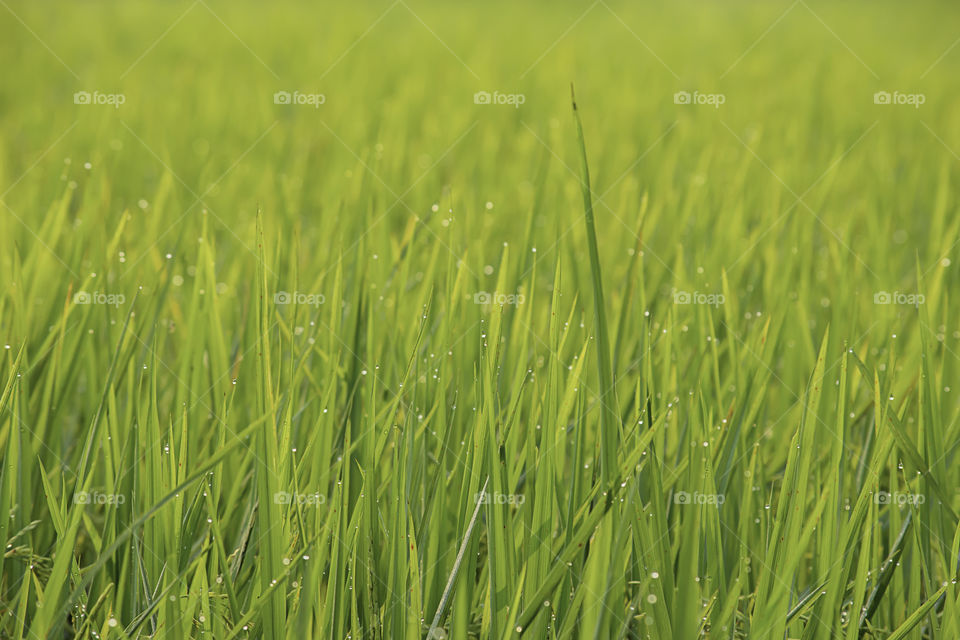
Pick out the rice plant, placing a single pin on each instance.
(356, 321)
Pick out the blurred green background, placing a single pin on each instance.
(399, 132)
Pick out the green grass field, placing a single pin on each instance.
(342, 322)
